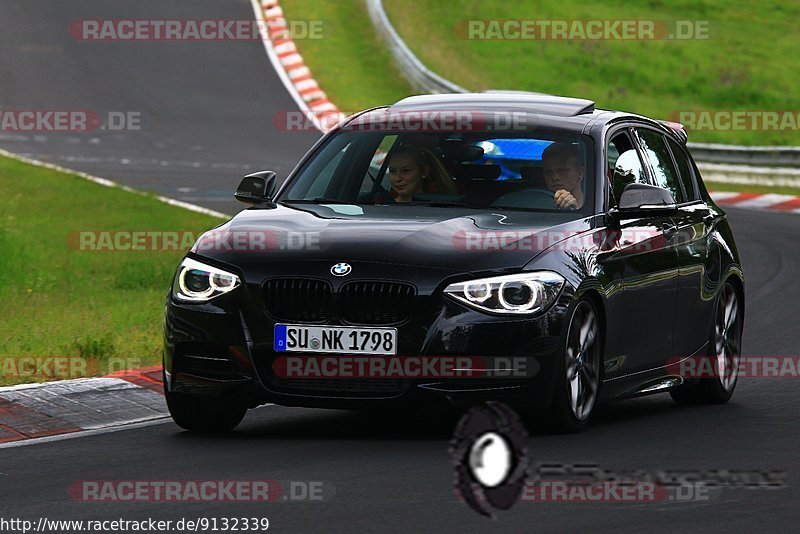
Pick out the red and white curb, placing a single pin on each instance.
(36, 412)
(761, 201)
(291, 68)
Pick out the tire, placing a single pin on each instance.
(204, 414)
(578, 374)
(724, 348)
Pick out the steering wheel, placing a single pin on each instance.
(527, 198)
(546, 193)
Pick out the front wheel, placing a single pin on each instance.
(578, 370)
(725, 347)
(204, 414)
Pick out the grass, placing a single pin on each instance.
(104, 307)
(350, 62)
(749, 61)
(748, 188)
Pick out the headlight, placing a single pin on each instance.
(514, 294)
(198, 282)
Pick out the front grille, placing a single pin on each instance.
(376, 302)
(298, 299)
(361, 302)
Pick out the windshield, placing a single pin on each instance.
(532, 171)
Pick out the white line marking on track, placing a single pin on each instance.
(108, 183)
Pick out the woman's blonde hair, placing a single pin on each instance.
(437, 180)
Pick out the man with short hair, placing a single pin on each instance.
(563, 171)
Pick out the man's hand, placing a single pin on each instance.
(564, 200)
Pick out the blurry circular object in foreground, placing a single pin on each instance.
(489, 452)
(490, 459)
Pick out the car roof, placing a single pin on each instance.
(537, 110)
(544, 104)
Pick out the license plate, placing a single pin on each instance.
(335, 339)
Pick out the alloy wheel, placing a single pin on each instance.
(583, 360)
(727, 338)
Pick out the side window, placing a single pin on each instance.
(613, 154)
(658, 155)
(624, 165)
(619, 144)
(628, 169)
(684, 170)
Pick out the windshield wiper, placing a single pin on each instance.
(444, 204)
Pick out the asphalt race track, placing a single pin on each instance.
(212, 104)
(206, 109)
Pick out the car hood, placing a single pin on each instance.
(449, 238)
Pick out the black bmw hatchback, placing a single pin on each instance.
(460, 248)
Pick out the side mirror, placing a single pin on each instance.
(256, 188)
(642, 199)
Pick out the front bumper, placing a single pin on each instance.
(225, 348)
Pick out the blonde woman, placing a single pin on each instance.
(417, 170)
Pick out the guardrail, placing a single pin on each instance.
(424, 80)
(420, 77)
(764, 156)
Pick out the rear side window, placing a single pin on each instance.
(658, 155)
(684, 170)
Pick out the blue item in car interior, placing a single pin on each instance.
(520, 151)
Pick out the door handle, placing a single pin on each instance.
(708, 219)
(669, 229)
